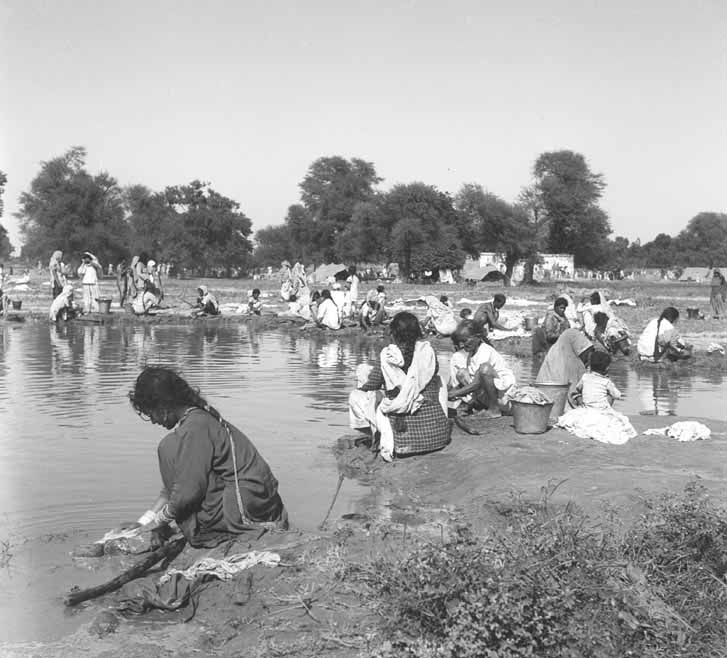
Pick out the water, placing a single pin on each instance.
(75, 460)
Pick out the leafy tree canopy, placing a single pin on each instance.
(569, 194)
(5, 247)
(68, 208)
(206, 229)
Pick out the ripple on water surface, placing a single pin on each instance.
(74, 457)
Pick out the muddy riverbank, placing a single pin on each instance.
(308, 606)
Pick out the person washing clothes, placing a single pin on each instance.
(661, 339)
(479, 376)
(206, 303)
(89, 271)
(215, 484)
(254, 303)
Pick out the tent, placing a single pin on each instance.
(324, 272)
(472, 271)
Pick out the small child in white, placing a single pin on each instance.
(595, 389)
(593, 416)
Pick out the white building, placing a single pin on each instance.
(552, 266)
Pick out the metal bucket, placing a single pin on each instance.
(104, 305)
(558, 393)
(530, 323)
(530, 418)
(17, 304)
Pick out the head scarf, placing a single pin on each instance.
(55, 258)
(202, 289)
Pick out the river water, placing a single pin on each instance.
(75, 460)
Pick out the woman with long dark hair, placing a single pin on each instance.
(661, 339)
(215, 483)
(411, 417)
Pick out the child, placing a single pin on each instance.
(595, 390)
(254, 305)
(595, 418)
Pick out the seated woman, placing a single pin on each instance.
(328, 316)
(554, 324)
(206, 303)
(372, 312)
(479, 376)
(440, 318)
(566, 361)
(215, 484)
(412, 416)
(661, 339)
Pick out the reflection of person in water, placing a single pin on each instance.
(660, 399)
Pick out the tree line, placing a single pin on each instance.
(342, 216)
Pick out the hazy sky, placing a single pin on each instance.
(247, 94)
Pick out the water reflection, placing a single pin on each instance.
(63, 395)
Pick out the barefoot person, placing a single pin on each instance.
(412, 416)
(479, 376)
(214, 482)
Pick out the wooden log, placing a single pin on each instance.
(169, 550)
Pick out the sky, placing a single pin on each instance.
(246, 95)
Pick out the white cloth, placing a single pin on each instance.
(328, 314)
(353, 292)
(684, 430)
(63, 300)
(224, 569)
(604, 425)
(441, 315)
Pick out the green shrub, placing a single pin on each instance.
(554, 584)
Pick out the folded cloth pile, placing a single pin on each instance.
(684, 430)
(604, 425)
(529, 394)
(715, 348)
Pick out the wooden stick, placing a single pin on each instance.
(172, 548)
(333, 502)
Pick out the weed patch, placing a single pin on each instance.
(555, 583)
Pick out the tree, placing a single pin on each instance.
(330, 192)
(272, 246)
(569, 193)
(440, 224)
(149, 216)
(704, 240)
(499, 226)
(363, 239)
(5, 247)
(407, 236)
(69, 209)
(207, 230)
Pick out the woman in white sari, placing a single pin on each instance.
(412, 416)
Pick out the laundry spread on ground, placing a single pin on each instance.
(603, 425)
(715, 348)
(224, 569)
(684, 431)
